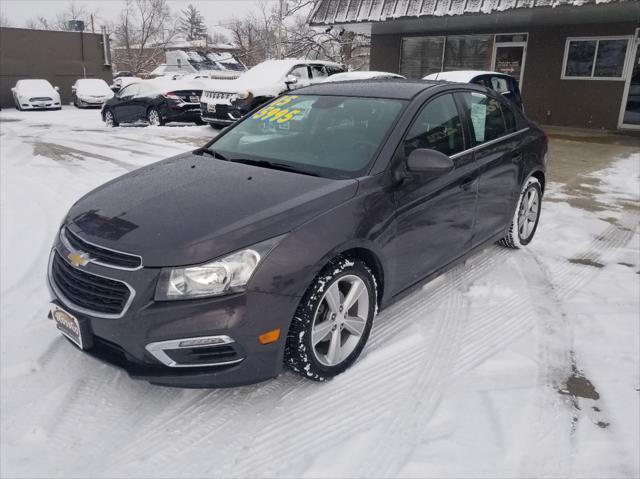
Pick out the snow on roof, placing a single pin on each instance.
(328, 12)
(361, 75)
(461, 76)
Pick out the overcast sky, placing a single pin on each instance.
(215, 12)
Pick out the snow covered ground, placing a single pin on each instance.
(515, 364)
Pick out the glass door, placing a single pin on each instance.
(630, 109)
(509, 55)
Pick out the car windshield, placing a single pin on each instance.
(330, 136)
(35, 85)
(91, 85)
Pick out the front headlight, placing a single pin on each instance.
(241, 96)
(229, 274)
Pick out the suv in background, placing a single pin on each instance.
(226, 101)
(501, 83)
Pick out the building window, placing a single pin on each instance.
(595, 58)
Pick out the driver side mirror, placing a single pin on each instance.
(429, 162)
(291, 80)
(56, 88)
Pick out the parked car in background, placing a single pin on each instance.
(155, 101)
(276, 243)
(90, 92)
(226, 101)
(123, 81)
(36, 94)
(502, 83)
(356, 75)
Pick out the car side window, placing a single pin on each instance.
(301, 73)
(318, 72)
(509, 118)
(485, 112)
(127, 91)
(437, 127)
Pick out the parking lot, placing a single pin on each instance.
(524, 362)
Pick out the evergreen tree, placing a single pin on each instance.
(192, 24)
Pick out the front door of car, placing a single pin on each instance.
(498, 155)
(122, 107)
(435, 215)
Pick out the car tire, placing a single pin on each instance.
(110, 119)
(154, 118)
(326, 335)
(526, 217)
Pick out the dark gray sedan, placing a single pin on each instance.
(276, 243)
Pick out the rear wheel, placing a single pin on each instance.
(525, 219)
(154, 118)
(109, 119)
(333, 321)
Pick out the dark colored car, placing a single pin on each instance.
(278, 241)
(155, 101)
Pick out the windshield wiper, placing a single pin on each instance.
(213, 153)
(273, 165)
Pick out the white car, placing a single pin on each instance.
(225, 101)
(90, 92)
(357, 75)
(36, 94)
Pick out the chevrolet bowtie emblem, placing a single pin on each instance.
(78, 258)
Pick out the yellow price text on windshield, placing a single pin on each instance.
(275, 113)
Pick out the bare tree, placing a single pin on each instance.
(141, 33)
(72, 11)
(255, 36)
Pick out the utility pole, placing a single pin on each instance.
(93, 30)
(279, 49)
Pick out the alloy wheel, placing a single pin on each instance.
(528, 215)
(154, 117)
(108, 118)
(340, 320)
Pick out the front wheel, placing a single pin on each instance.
(333, 321)
(525, 219)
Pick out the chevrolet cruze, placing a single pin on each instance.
(276, 243)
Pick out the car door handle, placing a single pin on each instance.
(467, 183)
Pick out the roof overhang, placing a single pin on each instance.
(514, 18)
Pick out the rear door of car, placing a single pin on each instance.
(498, 151)
(318, 73)
(141, 100)
(435, 215)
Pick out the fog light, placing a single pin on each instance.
(269, 337)
(196, 342)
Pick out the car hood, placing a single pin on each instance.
(190, 209)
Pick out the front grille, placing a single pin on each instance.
(217, 95)
(91, 292)
(101, 255)
(40, 98)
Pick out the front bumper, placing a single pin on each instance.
(124, 341)
(224, 114)
(50, 105)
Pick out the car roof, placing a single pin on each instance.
(462, 76)
(393, 88)
(291, 62)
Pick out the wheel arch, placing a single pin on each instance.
(540, 176)
(370, 258)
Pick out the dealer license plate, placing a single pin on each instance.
(67, 324)
(194, 99)
(211, 108)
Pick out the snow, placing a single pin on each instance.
(461, 76)
(35, 87)
(361, 75)
(460, 378)
(93, 86)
